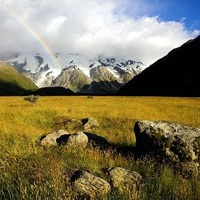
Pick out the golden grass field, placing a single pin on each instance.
(29, 171)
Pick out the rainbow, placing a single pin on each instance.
(33, 33)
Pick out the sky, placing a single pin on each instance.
(142, 30)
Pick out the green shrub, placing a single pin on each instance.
(31, 98)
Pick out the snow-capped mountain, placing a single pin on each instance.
(79, 73)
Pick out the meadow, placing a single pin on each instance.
(30, 171)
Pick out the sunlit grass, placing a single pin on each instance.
(29, 171)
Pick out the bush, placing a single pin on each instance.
(32, 98)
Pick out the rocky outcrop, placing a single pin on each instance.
(88, 186)
(174, 142)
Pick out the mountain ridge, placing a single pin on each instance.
(12, 82)
(176, 74)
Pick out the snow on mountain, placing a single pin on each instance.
(84, 63)
(44, 69)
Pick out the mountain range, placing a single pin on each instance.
(176, 74)
(80, 74)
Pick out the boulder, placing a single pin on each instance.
(51, 139)
(173, 141)
(78, 139)
(89, 123)
(62, 137)
(88, 186)
(123, 179)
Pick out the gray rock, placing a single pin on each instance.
(51, 139)
(89, 123)
(86, 185)
(78, 139)
(62, 137)
(123, 179)
(175, 142)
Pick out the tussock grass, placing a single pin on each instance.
(29, 171)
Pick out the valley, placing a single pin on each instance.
(31, 171)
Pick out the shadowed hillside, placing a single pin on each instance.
(176, 74)
(12, 82)
(53, 91)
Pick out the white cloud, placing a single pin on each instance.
(55, 24)
(90, 27)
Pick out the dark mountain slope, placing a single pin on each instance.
(176, 74)
(53, 91)
(12, 82)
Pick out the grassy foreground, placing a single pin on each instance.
(29, 171)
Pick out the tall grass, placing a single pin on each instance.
(29, 171)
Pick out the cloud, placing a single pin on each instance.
(90, 27)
